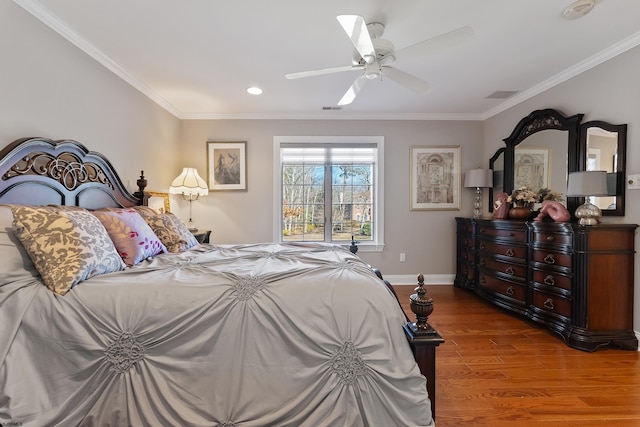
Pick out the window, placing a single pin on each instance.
(328, 190)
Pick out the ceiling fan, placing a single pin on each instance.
(373, 55)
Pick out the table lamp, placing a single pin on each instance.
(587, 184)
(191, 186)
(478, 178)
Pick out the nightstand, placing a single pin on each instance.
(202, 236)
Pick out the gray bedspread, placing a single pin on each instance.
(252, 335)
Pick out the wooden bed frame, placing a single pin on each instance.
(41, 171)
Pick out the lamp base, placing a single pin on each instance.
(477, 204)
(588, 214)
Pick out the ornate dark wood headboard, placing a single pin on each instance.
(41, 171)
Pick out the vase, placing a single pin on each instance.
(520, 212)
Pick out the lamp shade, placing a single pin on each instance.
(587, 183)
(189, 183)
(479, 178)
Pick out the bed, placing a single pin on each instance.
(188, 335)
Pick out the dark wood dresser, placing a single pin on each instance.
(576, 280)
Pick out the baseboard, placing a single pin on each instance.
(429, 279)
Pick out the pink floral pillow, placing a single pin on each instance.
(132, 236)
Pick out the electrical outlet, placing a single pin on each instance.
(633, 182)
(403, 258)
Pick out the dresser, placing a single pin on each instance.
(575, 280)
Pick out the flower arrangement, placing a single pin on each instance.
(547, 194)
(525, 196)
(522, 196)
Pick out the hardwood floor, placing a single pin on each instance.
(498, 370)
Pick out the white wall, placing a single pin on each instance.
(427, 237)
(609, 92)
(49, 88)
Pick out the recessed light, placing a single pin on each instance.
(254, 90)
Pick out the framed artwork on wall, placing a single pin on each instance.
(227, 166)
(531, 168)
(434, 178)
(158, 201)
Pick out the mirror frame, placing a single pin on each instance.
(620, 164)
(492, 161)
(537, 121)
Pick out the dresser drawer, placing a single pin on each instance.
(551, 238)
(552, 279)
(517, 271)
(511, 251)
(519, 235)
(511, 290)
(551, 258)
(552, 303)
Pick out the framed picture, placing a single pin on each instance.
(435, 178)
(531, 168)
(227, 165)
(158, 201)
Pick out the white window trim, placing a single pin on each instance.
(375, 246)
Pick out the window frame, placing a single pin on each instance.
(378, 179)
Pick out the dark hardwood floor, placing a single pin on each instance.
(498, 370)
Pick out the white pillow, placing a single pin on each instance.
(15, 263)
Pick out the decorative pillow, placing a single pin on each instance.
(172, 232)
(145, 211)
(132, 236)
(66, 246)
(15, 263)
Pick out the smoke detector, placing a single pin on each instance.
(578, 9)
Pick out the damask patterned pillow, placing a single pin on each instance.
(132, 236)
(66, 246)
(172, 232)
(145, 211)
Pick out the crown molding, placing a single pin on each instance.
(589, 63)
(40, 12)
(53, 22)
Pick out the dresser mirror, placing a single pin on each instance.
(603, 146)
(540, 152)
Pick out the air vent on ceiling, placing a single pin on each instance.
(502, 94)
(331, 108)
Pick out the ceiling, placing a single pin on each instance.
(196, 58)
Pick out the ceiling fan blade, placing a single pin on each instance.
(407, 80)
(356, 28)
(352, 92)
(437, 43)
(323, 71)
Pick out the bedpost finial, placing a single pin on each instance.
(142, 182)
(422, 306)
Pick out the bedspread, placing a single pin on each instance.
(250, 335)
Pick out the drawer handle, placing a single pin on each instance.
(511, 234)
(509, 252)
(549, 259)
(483, 281)
(481, 262)
(549, 304)
(551, 238)
(549, 280)
(483, 246)
(509, 271)
(510, 290)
